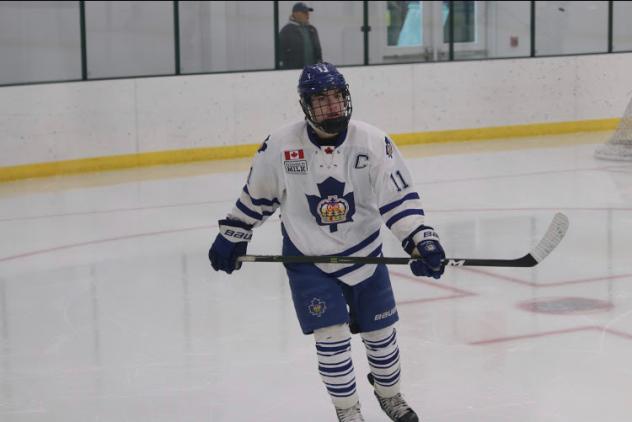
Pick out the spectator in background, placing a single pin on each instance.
(299, 41)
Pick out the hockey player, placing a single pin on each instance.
(336, 181)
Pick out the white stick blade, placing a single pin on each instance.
(553, 236)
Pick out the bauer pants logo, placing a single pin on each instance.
(386, 314)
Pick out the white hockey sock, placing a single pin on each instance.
(333, 347)
(383, 355)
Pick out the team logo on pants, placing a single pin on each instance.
(317, 307)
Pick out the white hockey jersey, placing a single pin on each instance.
(333, 200)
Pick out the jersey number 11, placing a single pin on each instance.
(397, 185)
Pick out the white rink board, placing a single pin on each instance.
(43, 123)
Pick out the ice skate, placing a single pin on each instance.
(397, 409)
(351, 414)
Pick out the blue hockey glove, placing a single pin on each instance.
(231, 242)
(424, 243)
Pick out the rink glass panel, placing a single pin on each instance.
(129, 38)
(39, 41)
(42, 41)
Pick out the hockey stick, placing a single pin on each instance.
(553, 236)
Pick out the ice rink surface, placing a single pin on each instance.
(109, 310)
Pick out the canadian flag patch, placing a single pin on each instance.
(295, 162)
(296, 154)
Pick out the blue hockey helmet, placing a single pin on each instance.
(317, 79)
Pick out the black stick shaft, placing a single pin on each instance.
(525, 261)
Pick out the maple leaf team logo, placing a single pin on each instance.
(332, 206)
(317, 307)
(333, 210)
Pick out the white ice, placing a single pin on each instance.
(109, 310)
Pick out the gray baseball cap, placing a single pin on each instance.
(301, 7)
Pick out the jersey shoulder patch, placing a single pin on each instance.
(388, 147)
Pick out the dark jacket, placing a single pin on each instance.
(292, 48)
